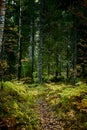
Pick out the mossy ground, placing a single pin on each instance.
(18, 101)
(69, 104)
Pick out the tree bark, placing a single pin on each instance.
(75, 56)
(2, 24)
(67, 66)
(19, 46)
(32, 41)
(40, 44)
(57, 65)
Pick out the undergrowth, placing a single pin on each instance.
(17, 102)
(69, 104)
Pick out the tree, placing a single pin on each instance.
(80, 17)
(2, 21)
(2, 24)
(32, 45)
(61, 41)
(19, 44)
(10, 39)
(40, 44)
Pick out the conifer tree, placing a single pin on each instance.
(2, 25)
(40, 44)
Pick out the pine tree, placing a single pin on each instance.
(19, 44)
(2, 25)
(40, 44)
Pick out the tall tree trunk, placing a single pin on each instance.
(40, 44)
(32, 46)
(48, 68)
(2, 24)
(2, 20)
(75, 56)
(67, 66)
(57, 65)
(60, 66)
(75, 45)
(19, 46)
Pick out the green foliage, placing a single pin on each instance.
(26, 68)
(68, 102)
(17, 101)
(27, 80)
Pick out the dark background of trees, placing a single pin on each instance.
(44, 40)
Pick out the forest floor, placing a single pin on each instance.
(50, 106)
(48, 119)
(62, 107)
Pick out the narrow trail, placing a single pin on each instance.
(48, 120)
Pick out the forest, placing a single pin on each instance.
(43, 65)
